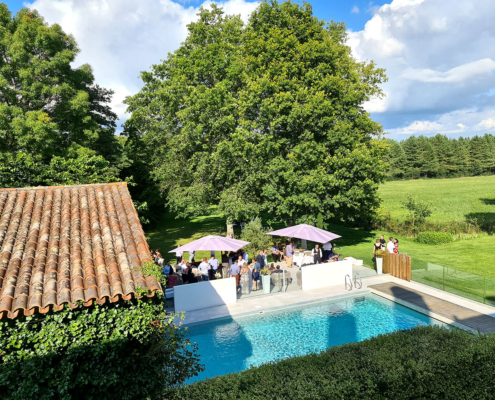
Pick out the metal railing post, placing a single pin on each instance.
(484, 289)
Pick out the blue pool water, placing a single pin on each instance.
(231, 345)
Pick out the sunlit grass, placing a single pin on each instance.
(458, 199)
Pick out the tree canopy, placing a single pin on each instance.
(56, 125)
(263, 117)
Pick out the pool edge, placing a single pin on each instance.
(284, 307)
(423, 311)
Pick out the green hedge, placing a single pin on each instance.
(422, 363)
(434, 237)
(125, 350)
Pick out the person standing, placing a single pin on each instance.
(213, 263)
(275, 252)
(178, 255)
(281, 252)
(317, 254)
(260, 259)
(203, 269)
(396, 246)
(327, 250)
(390, 245)
(240, 261)
(234, 271)
(225, 263)
(382, 240)
(265, 257)
(184, 267)
(377, 246)
(288, 254)
(255, 269)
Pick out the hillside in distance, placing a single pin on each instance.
(454, 199)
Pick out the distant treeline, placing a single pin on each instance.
(441, 157)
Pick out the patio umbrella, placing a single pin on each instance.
(308, 232)
(212, 242)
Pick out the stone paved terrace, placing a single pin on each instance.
(435, 307)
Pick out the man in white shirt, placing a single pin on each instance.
(390, 245)
(213, 262)
(178, 256)
(203, 269)
(327, 250)
(241, 261)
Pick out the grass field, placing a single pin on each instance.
(452, 198)
(455, 199)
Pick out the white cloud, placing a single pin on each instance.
(448, 124)
(420, 127)
(439, 59)
(355, 10)
(488, 124)
(458, 74)
(121, 38)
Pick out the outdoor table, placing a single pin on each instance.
(302, 259)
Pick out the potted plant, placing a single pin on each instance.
(379, 254)
(265, 280)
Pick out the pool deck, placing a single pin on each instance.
(455, 310)
(446, 311)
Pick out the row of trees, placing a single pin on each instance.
(441, 157)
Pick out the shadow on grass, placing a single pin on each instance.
(485, 220)
(351, 236)
(488, 202)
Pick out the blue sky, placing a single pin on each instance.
(439, 54)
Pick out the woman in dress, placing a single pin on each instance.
(377, 246)
(396, 246)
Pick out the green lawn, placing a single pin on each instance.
(454, 199)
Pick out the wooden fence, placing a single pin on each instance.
(398, 265)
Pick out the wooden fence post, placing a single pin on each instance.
(408, 269)
(395, 263)
(397, 266)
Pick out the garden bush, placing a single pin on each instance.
(124, 350)
(421, 363)
(434, 237)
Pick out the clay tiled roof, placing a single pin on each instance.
(63, 244)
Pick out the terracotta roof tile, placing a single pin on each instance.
(63, 244)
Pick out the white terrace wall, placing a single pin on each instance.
(326, 274)
(197, 296)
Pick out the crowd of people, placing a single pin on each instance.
(392, 246)
(237, 263)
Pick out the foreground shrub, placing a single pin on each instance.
(125, 350)
(422, 363)
(434, 237)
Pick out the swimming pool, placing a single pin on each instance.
(230, 345)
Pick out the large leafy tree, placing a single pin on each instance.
(56, 125)
(266, 117)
